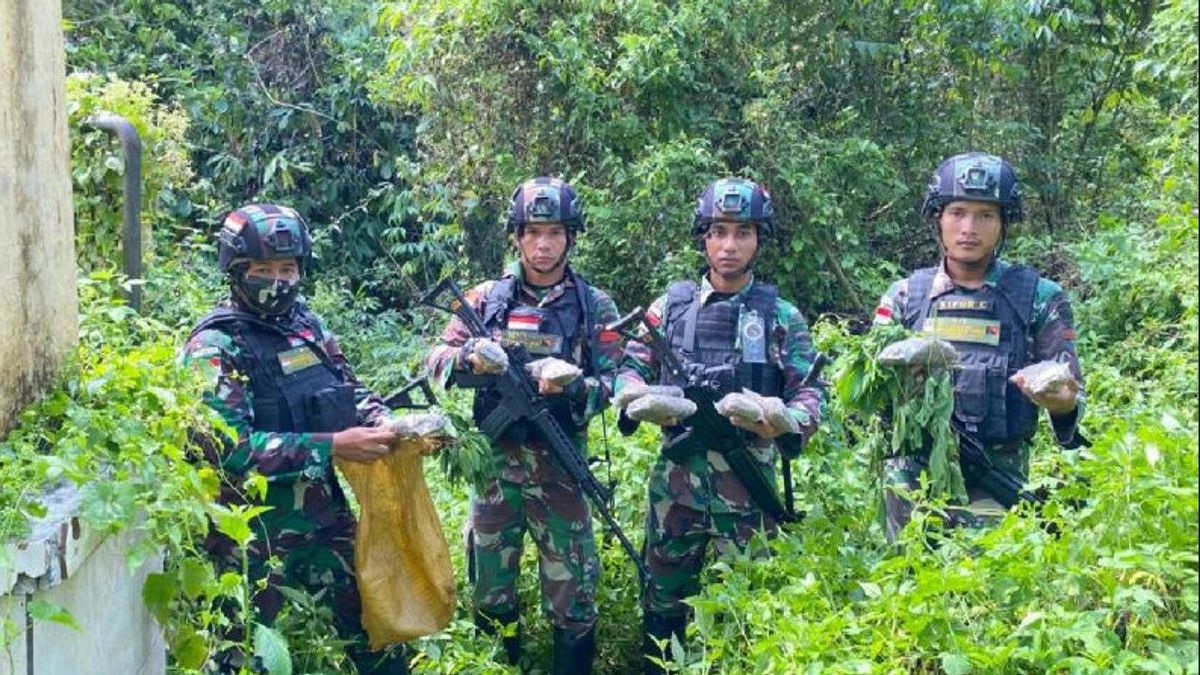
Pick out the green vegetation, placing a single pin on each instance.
(399, 129)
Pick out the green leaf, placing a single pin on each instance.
(256, 486)
(165, 396)
(157, 593)
(871, 590)
(194, 576)
(272, 648)
(189, 649)
(233, 525)
(955, 664)
(42, 610)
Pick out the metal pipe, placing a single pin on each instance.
(131, 208)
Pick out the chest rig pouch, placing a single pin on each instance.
(726, 344)
(293, 389)
(563, 329)
(989, 329)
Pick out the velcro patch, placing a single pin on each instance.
(535, 342)
(529, 322)
(964, 305)
(295, 360)
(960, 329)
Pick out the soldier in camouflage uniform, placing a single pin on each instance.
(279, 379)
(1000, 317)
(543, 304)
(728, 318)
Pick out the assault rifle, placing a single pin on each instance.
(708, 429)
(521, 402)
(402, 397)
(1003, 485)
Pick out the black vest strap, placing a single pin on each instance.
(917, 305)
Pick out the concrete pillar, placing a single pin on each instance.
(38, 305)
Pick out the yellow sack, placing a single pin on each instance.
(400, 553)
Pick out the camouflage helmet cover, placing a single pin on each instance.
(976, 177)
(262, 232)
(544, 200)
(733, 199)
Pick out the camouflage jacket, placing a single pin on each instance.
(302, 489)
(1052, 333)
(598, 381)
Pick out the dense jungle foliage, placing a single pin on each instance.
(400, 128)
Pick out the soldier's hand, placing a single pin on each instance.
(553, 375)
(363, 444)
(487, 357)
(764, 429)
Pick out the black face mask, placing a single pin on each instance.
(266, 296)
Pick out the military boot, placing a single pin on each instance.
(656, 628)
(487, 622)
(573, 654)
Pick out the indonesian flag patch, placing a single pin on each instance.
(523, 322)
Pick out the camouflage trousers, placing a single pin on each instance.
(902, 475)
(679, 537)
(556, 515)
(322, 566)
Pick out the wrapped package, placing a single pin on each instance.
(635, 390)
(556, 371)
(930, 353)
(1046, 377)
(495, 359)
(659, 409)
(743, 405)
(775, 411)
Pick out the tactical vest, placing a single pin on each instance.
(989, 329)
(560, 329)
(706, 338)
(293, 389)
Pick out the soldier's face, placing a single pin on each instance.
(286, 269)
(970, 231)
(730, 247)
(543, 246)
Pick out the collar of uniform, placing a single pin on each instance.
(514, 269)
(706, 289)
(942, 283)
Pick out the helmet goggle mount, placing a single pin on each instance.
(731, 201)
(979, 178)
(543, 206)
(280, 238)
